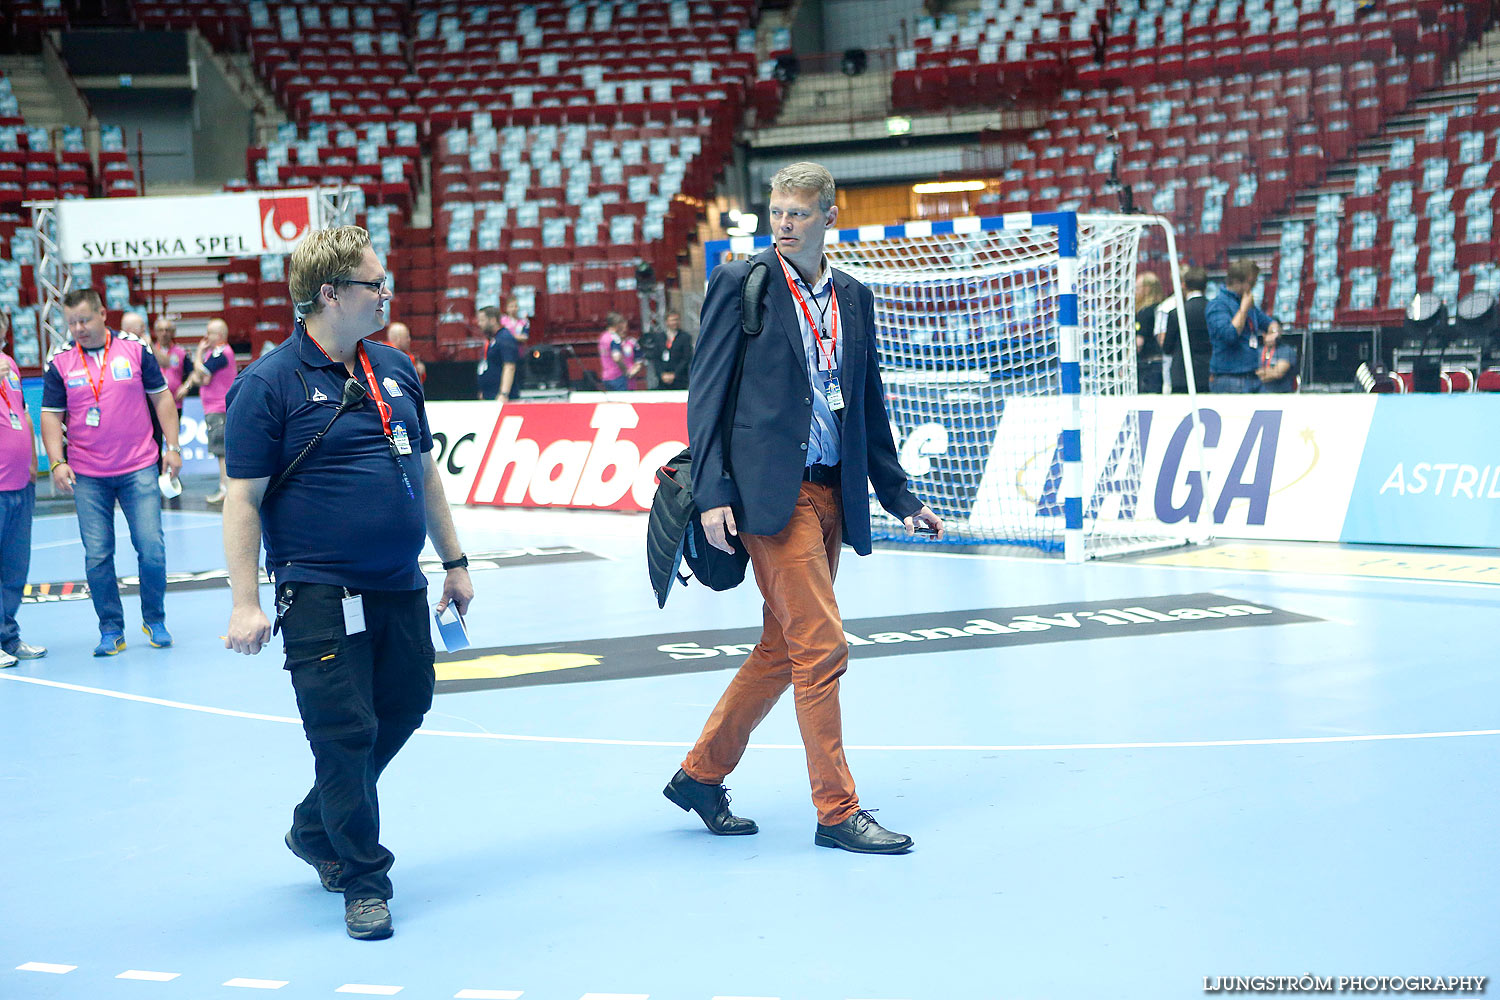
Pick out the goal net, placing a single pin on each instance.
(1007, 348)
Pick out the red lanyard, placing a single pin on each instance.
(5, 390)
(380, 404)
(830, 351)
(84, 355)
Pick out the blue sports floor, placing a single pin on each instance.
(1120, 814)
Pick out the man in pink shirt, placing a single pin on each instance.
(617, 364)
(17, 502)
(213, 371)
(99, 386)
(171, 357)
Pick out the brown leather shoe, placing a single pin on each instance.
(710, 802)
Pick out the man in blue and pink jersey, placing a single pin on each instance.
(100, 386)
(17, 503)
(213, 369)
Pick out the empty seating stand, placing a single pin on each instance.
(1412, 211)
(568, 142)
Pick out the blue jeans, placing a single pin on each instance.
(16, 507)
(620, 384)
(1237, 382)
(140, 499)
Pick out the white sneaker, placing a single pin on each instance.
(6, 660)
(216, 497)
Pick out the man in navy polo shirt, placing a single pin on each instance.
(1238, 328)
(342, 534)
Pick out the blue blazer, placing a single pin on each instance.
(773, 418)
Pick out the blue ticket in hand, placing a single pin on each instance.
(451, 627)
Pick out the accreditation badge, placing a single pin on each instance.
(91, 418)
(399, 437)
(119, 368)
(392, 387)
(832, 392)
(15, 422)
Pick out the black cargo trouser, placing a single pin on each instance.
(361, 697)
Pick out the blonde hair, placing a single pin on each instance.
(806, 176)
(325, 257)
(1150, 288)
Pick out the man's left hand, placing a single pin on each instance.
(458, 589)
(927, 517)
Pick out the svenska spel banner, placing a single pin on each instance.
(238, 224)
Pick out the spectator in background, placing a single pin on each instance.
(17, 504)
(1278, 366)
(617, 363)
(171, 358)
(487, 319)
(676, 357)
(134, 324)
(1237, 327)
(398, 335)
(100, 387)
(1194, 282)
(497, 373)
(649, 346)
(214, 367)
(1147, 348)
(518, 330)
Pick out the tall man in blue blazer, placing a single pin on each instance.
(809, 432)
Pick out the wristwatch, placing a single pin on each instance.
(171, 447)
(462, 562)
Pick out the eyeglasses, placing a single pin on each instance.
(379, 286)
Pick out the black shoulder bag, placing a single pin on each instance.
(674, 532)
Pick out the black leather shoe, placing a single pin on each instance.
(862, 835)
(368, 919)
(710, 802)
(329, 872)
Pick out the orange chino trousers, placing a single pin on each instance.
(802, 644)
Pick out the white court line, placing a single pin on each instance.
(897, 747)
(487, 995)
(615, 996)
(257, 984)
(369, 991)
(56, 970)
(148, 977)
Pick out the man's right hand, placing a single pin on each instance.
(718, 525)
(249, 630)
(1247, 301)
(63, 478)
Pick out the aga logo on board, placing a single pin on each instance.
(284, 221)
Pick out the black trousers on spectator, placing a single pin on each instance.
(361, 697)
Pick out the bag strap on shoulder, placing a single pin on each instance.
(753, 299)
(752, 321)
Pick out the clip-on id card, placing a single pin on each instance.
(451, 627)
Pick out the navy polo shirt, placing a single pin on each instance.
(503, 350)
(346, 516)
